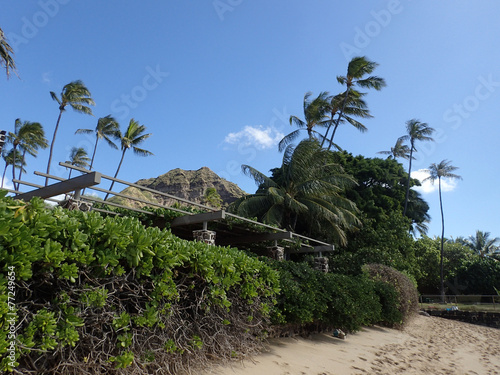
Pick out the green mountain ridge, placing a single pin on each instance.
(186, 184)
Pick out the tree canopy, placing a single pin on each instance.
(304, 194)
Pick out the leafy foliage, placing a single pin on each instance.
(314, 116)
(465, 271)
(380, 188)
(112, 286)
(386, 242)
(131, 139)
(6, 55)
(303, 195)
(407, 295)
(326, 300)
(357, 70)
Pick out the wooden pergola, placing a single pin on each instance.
(231, 229)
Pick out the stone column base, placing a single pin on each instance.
(321, 264)
(203, 235)
(277, 252)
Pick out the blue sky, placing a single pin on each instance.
(215, 82)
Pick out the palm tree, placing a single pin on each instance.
(29, 137)
(482, 244)
(357, 68)
(133, 136)
(314, 115)
(416, 131)
(355, 106)
(77, 96)
(438, 171)
(398, 151)
(6, 55)
(212, 197)
(107, 128)
(307, 188)
(12, 157)
(79, 158)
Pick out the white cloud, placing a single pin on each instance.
(428, 187)
(257, 136)
(57, 198)
(7, 184)
(47, 77)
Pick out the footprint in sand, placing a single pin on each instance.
(358, 368)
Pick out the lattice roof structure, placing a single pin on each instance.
(232, 230)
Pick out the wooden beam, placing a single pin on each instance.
(314, 249)
(63, 187)
(257, 237)
(198, 218)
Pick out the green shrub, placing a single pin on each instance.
(327, 300)
(95, 294)
(406, 293)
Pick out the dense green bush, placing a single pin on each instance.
(327, 300)
(98, 295)
(406, 291)
(93, 294)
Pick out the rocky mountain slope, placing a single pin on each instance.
(190, 185)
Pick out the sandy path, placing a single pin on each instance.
(428, 345)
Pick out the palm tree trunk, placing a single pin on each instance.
(52, 146)
(14, 166)
(4, 171)
(116, 174)
(22, 162)
(408, 183)
(309, 133)
(93, 156)
(327, 129)
(333, 135)
(340, 115)
(441, 261)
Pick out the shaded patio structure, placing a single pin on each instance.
(207, 224)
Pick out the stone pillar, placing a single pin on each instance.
(321, 264)
(74, 204)
(277, 252)
(204, 235)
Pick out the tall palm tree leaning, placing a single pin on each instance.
(6, 55)
(28, 137)
(416, 131)
(314, 116)
(357, 69)
(79, 158)
(398, 151)
(77, 96)
(12, 157)
(438, 171)
(133, 136)
(307, 188)
(354, 106)
(107, 128)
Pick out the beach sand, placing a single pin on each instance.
(427, 345)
